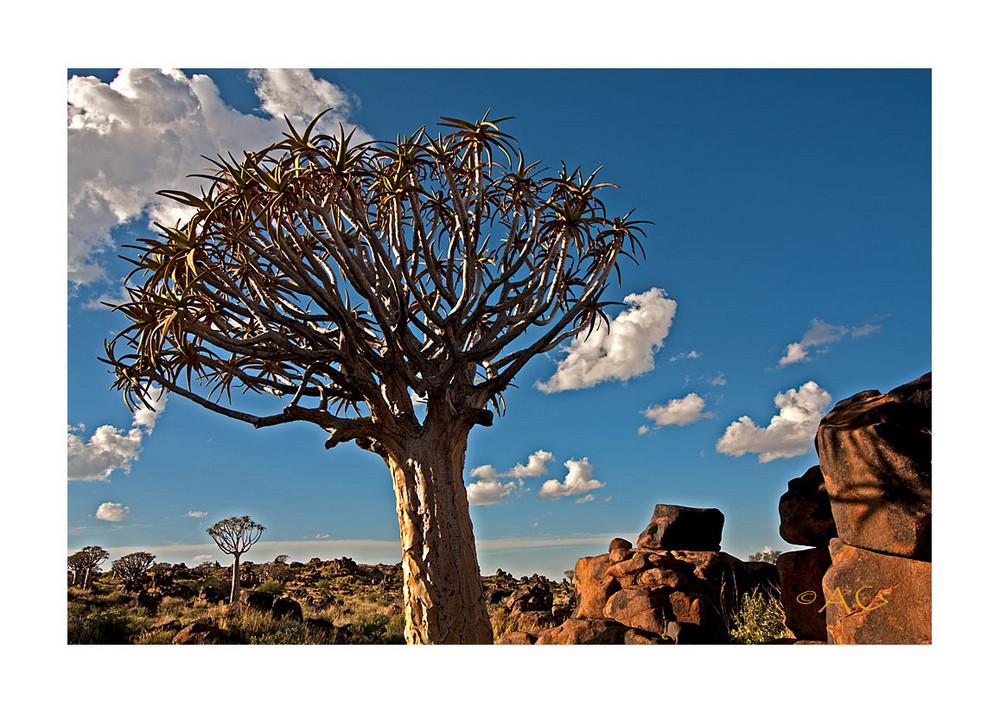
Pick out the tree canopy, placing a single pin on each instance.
(344, 276)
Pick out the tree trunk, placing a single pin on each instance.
(86, 579)
(441, 582)
(234, 593)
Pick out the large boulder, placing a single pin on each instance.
(593, 631)
(801, 574)
(804, 509)
(875, 455)
(593, 586)
(675, 527)
(637, 608)
(874, 598)
(286, 607)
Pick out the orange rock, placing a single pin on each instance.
(593, 586)
(801, 574)
(636, 608)
(874, 598)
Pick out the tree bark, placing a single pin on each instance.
(443, 592)
(234, 593)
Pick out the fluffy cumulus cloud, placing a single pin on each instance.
(148, 128)
(678, 412)
(578, 481)
(110, 449)
(488, 488)
(620, 352)
(111, 512)
(791, 431)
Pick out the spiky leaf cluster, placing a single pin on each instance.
(342, 276)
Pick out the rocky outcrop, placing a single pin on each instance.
(867, 579)
(658, 592)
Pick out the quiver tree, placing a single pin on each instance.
(234, 536)
(131, 569)
(350, 280)
(85, 563)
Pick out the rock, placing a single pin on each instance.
(516, 638)
(802, 572)
(150, 601)
(619, 549)
(529, 597)
(593, 586)
(286, 607)
(689, 609)
(875, 454)
(584, 631)
(875, 598)
(200, 631)
(627, 571)
(675, 527)
(663, 579)
(804, 509)
(636, 608)
(259, 601)
(635, 636)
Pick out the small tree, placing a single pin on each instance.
(131, 569)
(768, 555)
(348, 278)
(234, 536)
(86, 562)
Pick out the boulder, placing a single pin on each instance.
(801, 574)
(875, 598)
(689, 608)
(516, 638)
(200, 631)
(804, 509)
(593, 586)
(286, 607)
(875, 455)
(675, 527)
(663, 579)
(584, 631)
(637, 608)
(619, 549)
(259, 601)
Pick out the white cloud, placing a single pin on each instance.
(203, 558)
(111, 512)
(490, 491)
(679, 412)
(196, 513)
(621, 352)
(690, 355)
(819, 333)
(110, 449)
(789, 434)
(578, 481)
(864, 330)
(643, 430)
(148, 128)
(320, 537)
(719, 380)
(588, 498)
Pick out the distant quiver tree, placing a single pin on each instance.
(131, 569)
(352, 280)
(86, 562)
(234, 536)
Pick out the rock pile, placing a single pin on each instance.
(865, 512)
(674, 586)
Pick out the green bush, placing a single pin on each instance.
(758, 618)
(108, 627)
(271, 587)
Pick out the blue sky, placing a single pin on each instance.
(789, 257)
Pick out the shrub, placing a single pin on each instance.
(271, 587)
(759, 617)
(109, 627)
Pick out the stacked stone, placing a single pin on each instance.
(865, 512)
(673, 586)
